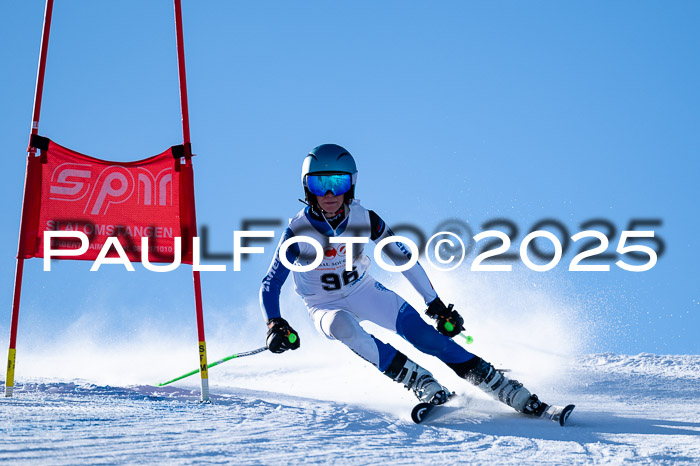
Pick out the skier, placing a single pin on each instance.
(338, 299)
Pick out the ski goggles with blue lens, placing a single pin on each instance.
(337, 184)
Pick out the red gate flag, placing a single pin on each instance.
(69, 191)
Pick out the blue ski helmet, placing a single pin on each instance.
(328, 159)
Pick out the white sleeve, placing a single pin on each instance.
(415, 275)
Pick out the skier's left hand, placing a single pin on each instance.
(449, 322)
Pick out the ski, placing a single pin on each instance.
(421, 411)
(537, 408)
(424, 410)
(557, 413)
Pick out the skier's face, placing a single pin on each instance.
(330, 203)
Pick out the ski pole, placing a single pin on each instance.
(216, 363)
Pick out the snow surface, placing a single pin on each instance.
(87, 394)
(641, 408)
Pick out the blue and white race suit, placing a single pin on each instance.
(338, 299)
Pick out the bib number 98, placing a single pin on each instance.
(334, 281)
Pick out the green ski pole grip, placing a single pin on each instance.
(449, 327)
(292, 337)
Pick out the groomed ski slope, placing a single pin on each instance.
(641, 408)
(86, 394)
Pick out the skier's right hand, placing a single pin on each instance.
(280, 336)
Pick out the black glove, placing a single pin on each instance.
(280, 336)
(449, 322)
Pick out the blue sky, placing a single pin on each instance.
(468, 110)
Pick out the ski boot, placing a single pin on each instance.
(414, 377)
(494, 383)
(511, 392)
